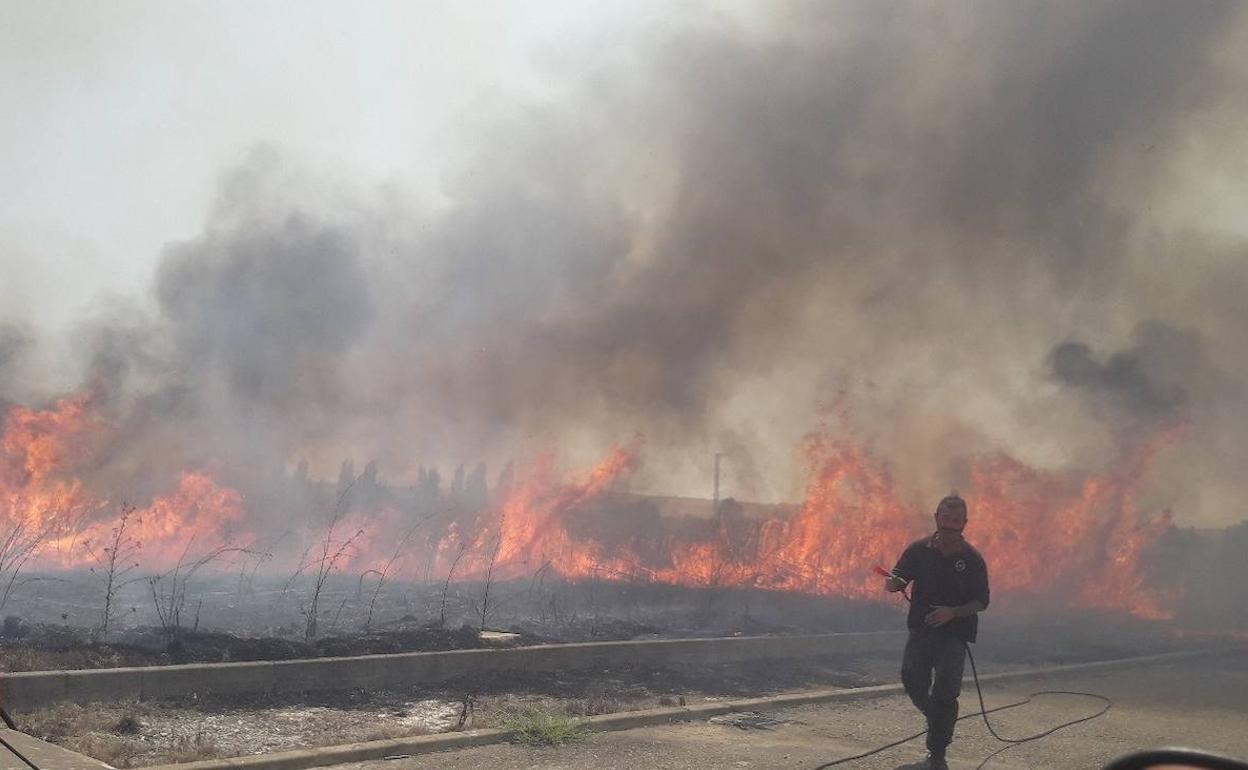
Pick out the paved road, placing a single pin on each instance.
(1200, 702)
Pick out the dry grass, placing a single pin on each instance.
(600, 703)
(542, 727)
(191, 749)
(127, 752)
(69, 719)
(129, 724)
(492, 710)
(110, 733)
(130, 735)
(110, 749)
(377, 733)
(23, 657)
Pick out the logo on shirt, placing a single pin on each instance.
(959, 565)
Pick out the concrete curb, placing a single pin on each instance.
(627, 720)
(1103, 664)
(26, 750)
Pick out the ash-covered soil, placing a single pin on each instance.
(139, 734)
(54, 623)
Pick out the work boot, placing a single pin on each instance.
(936, 762)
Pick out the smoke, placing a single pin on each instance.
(13, 342)
(1145, 380)
(263, 309)
(941, 216)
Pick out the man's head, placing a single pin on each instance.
(951, 514)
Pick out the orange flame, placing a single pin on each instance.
(532, 524)
(1042, 532)
(35, 447)
(45, 509)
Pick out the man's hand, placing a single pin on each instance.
(940, 616)
(893, 584)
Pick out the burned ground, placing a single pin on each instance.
(54, 623)
(264, 624)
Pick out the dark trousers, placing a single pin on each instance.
(931, 672)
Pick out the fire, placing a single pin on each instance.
(1082, 536)
(49, 519)
(1043, 533)
(37, 443)
(38, 502)
(531, 529)
(200, 513)
(850, 520)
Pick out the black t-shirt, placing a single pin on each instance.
(943, 581)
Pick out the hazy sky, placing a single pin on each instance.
(121, 118)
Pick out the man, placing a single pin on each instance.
(950, 588)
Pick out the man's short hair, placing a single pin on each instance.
(951, 503)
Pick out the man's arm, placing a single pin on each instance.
(942, 615)
(968, 609)
(903, 573)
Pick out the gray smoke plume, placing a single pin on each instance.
(1147, 380)
(264, 308)
(13, 342)
(943, 215)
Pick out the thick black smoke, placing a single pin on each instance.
(925, 210)
(1146, 380)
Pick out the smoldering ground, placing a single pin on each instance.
(951, 219)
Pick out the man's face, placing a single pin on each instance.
(950, 518)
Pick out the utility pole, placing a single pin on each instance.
(715, 495)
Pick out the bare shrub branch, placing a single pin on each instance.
(384, 573)
(482, 606)
(23, 537)
(114, 563)
(169, 589)
(446, 585)
(332, 552)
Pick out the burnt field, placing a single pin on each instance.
(55, 621)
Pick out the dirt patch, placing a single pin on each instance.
(139, 734)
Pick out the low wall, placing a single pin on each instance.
(34, 689)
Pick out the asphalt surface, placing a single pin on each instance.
(1197, 702)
